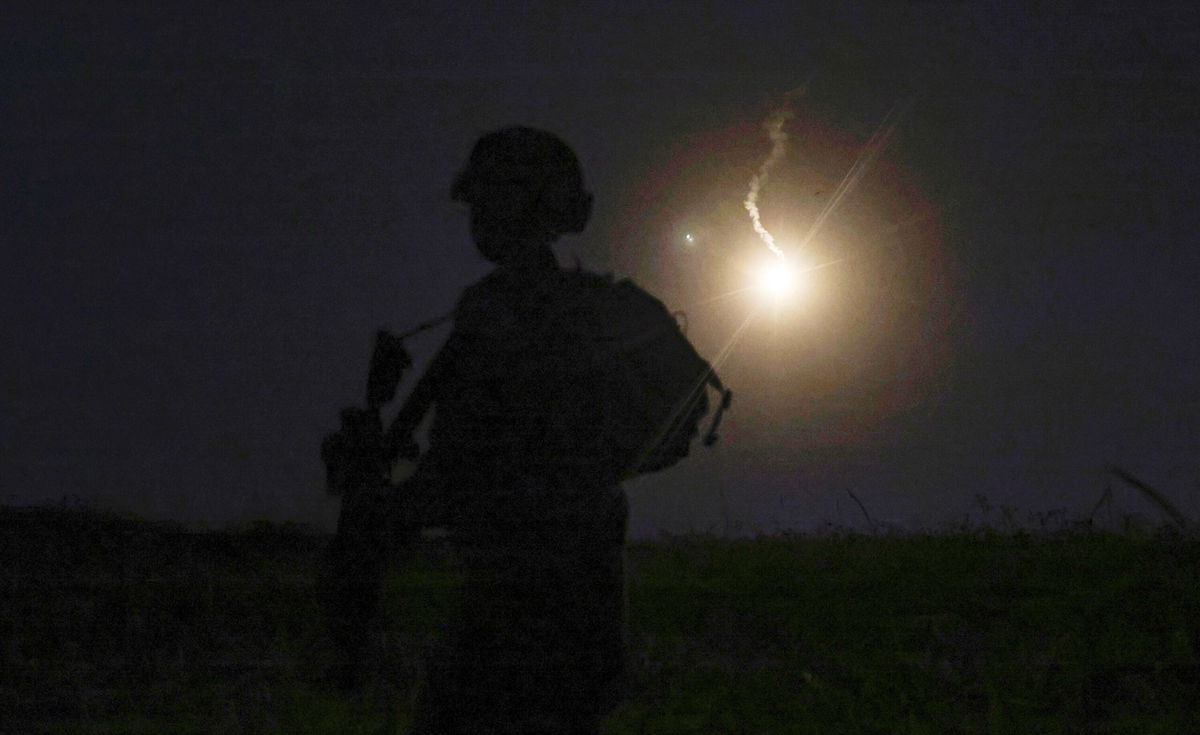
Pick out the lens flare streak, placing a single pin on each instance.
(722, 297)
(737, 333)
(871, 150)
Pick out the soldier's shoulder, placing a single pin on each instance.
(603, 282)
(487, 305)
(594, 287)
(503, 300)
(610, 296)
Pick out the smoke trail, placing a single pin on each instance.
(774, 126)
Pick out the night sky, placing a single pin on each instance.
(207, 212)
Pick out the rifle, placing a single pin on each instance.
(355, 460)
(359, 455)
(371, 527)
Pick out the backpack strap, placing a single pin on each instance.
(710, 437)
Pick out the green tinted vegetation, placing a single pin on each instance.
(113, 625)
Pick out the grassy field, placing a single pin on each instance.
(112, 625)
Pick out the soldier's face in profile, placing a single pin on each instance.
(504, 215)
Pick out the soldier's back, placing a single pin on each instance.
(540, 634)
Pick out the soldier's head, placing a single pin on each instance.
(525, 188)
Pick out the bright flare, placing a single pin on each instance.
(779, 280)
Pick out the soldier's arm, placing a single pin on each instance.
(398, 440)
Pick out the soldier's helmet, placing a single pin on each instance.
(537, 160)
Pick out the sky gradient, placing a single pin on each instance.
(207, 213)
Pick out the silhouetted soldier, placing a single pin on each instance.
(553, 387)
(531, 500)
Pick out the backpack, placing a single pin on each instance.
(656, 381)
